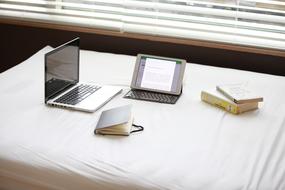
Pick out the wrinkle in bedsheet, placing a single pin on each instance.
(266, 170)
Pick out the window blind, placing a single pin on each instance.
(257, 23)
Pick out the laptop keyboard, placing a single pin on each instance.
(152, 96)
(77, 94)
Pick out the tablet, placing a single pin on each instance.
(158, 74)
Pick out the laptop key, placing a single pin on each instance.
(77, 94)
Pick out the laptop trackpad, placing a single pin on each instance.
(100, 97)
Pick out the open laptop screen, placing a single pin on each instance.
(61, 68)
(158, 74)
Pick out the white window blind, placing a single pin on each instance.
(257, 23)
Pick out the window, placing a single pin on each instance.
(254, 23)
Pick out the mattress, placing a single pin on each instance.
(189, 145)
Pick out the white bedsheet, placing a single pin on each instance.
(189, 145)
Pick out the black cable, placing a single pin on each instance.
(140, 128)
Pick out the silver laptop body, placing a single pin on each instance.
(62, 87)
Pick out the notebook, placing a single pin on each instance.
(62, 87)
(117, 121)
(157, 79)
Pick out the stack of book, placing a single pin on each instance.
(234, 98)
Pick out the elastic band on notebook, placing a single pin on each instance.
(140, 128)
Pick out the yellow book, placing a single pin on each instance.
(215, 98)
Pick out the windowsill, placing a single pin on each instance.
(199, 43)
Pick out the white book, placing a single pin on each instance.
(239, 93)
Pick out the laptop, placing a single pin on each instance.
(157, 79)
(62, 87)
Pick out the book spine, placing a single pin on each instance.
(216, 101)
(226, 94)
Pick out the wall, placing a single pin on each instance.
(20, 42)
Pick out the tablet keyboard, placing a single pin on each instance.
(152, 96)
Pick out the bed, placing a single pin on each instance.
(189, 145)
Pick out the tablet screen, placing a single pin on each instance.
(159, 74)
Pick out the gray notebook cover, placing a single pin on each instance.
(114, 116)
